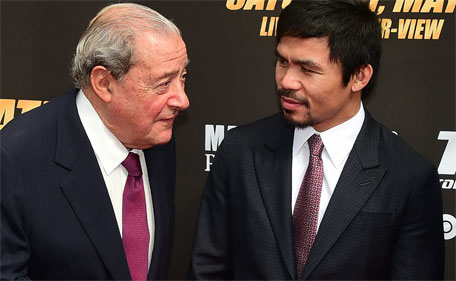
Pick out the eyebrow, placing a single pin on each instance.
(308, 63)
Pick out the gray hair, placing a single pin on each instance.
(109, 40)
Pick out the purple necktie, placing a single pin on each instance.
(305, 215)
(135, 232)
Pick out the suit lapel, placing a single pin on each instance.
(161, 193)
(86, 191)
(361, 175)
(272, 162)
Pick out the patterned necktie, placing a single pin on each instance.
(305, 215)
(135, 232)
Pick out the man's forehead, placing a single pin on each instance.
(166, 55)
(302, 46)
(296, 39)
(312, 51)
(158, 44)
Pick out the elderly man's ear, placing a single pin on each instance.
(102, 82)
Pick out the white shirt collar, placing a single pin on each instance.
(108, 149)
(338, 141)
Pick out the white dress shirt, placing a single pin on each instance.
(338, 142)
(110, 153)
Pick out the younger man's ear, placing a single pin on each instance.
(101, 81)
(361, 77)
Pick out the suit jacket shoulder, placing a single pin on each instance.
(271, 130)
(36, 130)
(392, 151)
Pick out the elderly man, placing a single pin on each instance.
(87, 180)
(320, 190)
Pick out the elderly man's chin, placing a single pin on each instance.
(163, 138)
(154, 139)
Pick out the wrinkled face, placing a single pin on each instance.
(146, 100)
(310, 86)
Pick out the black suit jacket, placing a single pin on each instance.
(57, 221)
(384, 219)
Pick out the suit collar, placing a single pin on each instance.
(109, 150)
(367, 146)
(361, 175)
(160, 168)
(279, 138)
(85, 190)
(71, 136)
(338, 141)
(272, 161)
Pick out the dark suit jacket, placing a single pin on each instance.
(57, 221)
(384, 219)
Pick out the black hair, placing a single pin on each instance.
(353, 31)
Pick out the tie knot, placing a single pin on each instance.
(315, 145)
(131, 163)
